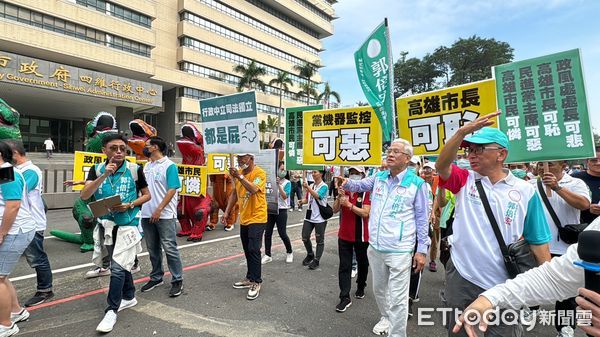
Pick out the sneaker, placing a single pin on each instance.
(300, 209)
(97, 272)
(126, 304)
(289, 257)
(314, 264)
(414, 300)
(243, 284)
(432, 266)
(307, 260)
(354, 273)
(254, 291)
(360, 293)
(290, 210)
(135, 269)
(39, 298)
(382, 327)
(410, 309)
(6, 331)
(229, 228)
(566, 331)
(208, 228)
(151, 285)
(266, 259)
(108, 322)
(176, 289)
(344, 304)
(20, 316)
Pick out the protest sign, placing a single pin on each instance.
(84, 161)
(294, 138)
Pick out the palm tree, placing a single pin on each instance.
(271, 125)
(262, 129)
(308, 90)
(281, 81)
(307, 70)
(327, 94)
(250, 76)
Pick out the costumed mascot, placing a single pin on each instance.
(192, 212)
(9, 121)
(140, 133)
(98, 128)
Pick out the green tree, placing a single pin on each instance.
(415, 75)
(326, 95)
(307, 90)
(283, 83)
(307, 70)
(262, 129)
(250, 78)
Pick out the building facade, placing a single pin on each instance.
(148, 59)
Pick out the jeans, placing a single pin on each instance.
(296, 192)
(391, 273)
(121, 282)
(346, 250)
(38, 259)
(281, 221)
(11, 250)
(252, 236)
(319, 228)
(562, 308)
(161, 235)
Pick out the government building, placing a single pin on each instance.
(62, 61)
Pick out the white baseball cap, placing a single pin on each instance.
(360, 169)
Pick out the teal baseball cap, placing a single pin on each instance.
(486, 135)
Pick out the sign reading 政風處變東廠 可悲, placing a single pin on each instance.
(429, 119)
(83, 163)
(193, 180)
(39, 73)
(544, 108)
(294, 138)
(349, 136)
(229, 124)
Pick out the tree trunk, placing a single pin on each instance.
(279, 113)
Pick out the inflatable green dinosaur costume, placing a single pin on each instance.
(9, 122)
(96, 129)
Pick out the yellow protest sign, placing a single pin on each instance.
(429, 119)
(218, 163)
(84, 161)
(193, 180)
(348, 136)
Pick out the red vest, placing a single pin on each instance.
(353, 228)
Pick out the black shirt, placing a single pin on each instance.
(140, 183)
(593, 183)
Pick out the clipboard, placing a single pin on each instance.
(102, 207)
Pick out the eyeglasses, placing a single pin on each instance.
(594, 160)
(116, 148)
(479, 149)
(396, 151)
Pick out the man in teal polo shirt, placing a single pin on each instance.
(118, 177)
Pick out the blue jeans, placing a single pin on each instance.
(162, 233)
(38, 259)
(121, 282)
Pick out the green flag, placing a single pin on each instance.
(375, 74)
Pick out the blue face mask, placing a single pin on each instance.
(519, 173)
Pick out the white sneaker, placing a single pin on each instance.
(266, 259)
(354, 273)
(290, 210)
(6, 331)
(20, 316)
(108, 322)
(300, 209)
(382, 327)
(566, 331)
(97, 272)
(136, 269)
(125, 304)
(229, 229)
(289, 258)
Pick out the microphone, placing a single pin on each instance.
(589, 254)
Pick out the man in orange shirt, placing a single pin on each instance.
(250, 196)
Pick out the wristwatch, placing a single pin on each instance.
(241, 177)
(131, 205)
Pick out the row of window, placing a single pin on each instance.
(231, 57)
(195, 69)
(61, 26)
(117, 11)
(189, 117)
(315, 10)
(257, 24)
(282, 16)
(201, 94)
(230, 34)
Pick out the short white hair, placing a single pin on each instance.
(407, 146)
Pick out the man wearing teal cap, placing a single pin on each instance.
(476, 263)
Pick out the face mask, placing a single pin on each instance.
(147, 152)
(355, 177)
(281, 174)
(243, 166)
(519, 173)
(463, 164)
(576, 170)
(411, 169)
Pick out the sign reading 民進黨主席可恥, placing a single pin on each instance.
(229, 124)
(544, 108)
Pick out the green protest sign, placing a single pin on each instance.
(294, 134)
(544, 107)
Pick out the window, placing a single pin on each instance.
(117, 11)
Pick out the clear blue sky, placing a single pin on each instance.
(532, 27)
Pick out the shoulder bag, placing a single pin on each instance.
(568, 233)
